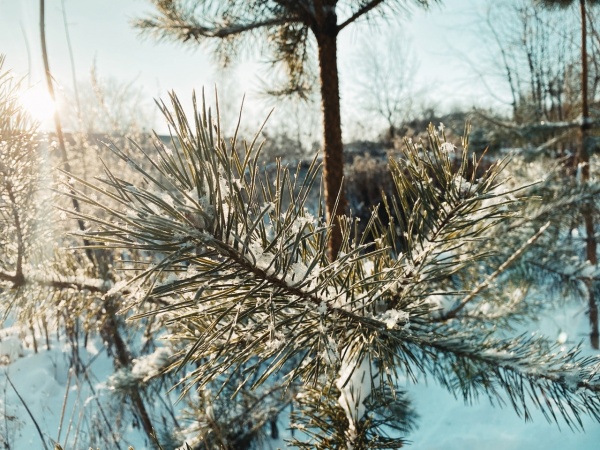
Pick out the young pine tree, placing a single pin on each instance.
(289, 31)
(240, 267)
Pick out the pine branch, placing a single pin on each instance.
(189, 31)
(501, 269)
(241, 266)
(523, 368)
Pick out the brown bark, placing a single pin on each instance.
(585, 109)
(124, 360)
(593, 259)
(584, 159)
(19, 277)
(333, 157)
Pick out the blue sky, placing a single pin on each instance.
(101, 34)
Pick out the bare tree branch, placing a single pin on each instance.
(480, 287)
(360, 12)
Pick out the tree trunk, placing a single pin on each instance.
(585, 150)
(333, 155)
(50, 85)
(585, 109)
(592, 259)
(124, 360)
(57, 124)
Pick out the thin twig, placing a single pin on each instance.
(106, 421)
(28, 410)
(483, 285)
(64, 406)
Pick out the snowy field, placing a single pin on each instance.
(45, 385)
(449, 424)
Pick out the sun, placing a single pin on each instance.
(38, 103)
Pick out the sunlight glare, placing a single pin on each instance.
(38, 103)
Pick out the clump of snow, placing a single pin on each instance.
(447, 147)
(464, 187)
(119, 285)
(392, 317)
(562, 337)
(302, 222)
(571, 381)
(10, 348)
(331, 355)
(165, 197)
(355, 383)
(275, 343)
(149, 366)
(322, 308)
(369, 268)
(588, 270)
(440, 303)
(297, 273)
(267, 208)
(263, 260)
(155, 208)
(191, 197)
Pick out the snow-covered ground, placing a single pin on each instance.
(67, 408)
(447, 423)
(44, 383)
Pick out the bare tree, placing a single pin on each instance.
(107, 105)
(534, 57)
(123, 357)
(386, 80)
(583, 157)
(287, 28)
